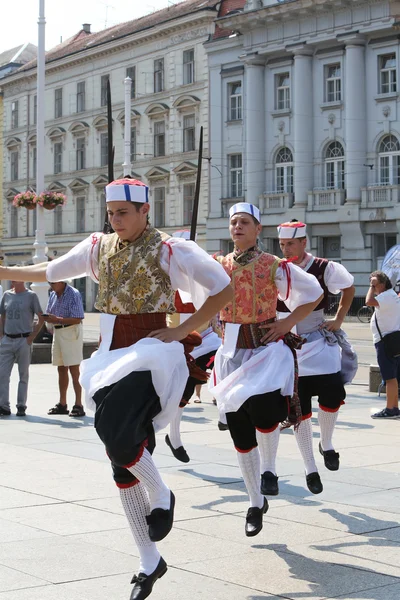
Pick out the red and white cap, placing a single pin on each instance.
(129, 190)
(245, 207)
(291, 230)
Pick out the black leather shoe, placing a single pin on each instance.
(331, 458)
(179, 453)
(254, 519)
(269, 484)
(222, 426)
(144, 583)
(21, 411)
(160, 521)
(4, 412)
(314, 483)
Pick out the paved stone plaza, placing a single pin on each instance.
(63, 535)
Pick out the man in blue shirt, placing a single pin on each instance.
(65, 312)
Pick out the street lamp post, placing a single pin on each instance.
(40, 246)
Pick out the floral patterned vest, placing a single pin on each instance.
(255, 294)
(131, 280)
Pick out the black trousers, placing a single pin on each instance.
(263, 412)
(123, 421)
(329, 389)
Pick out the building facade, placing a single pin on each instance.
(305, 123)
(164, 56)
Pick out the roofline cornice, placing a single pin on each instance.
(114, 46)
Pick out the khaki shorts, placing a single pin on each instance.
(67, 349)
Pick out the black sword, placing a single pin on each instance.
(193, 225)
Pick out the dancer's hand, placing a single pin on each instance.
(169, 334)
(276, 330)
(332, 325)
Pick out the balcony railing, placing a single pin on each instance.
(325, 197)
(270, 201)
(378, 194)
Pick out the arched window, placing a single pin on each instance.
(284, 171)
(334, 166)
(389, 161)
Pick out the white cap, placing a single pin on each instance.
(129, 190)
(291, 230)
(245, 207)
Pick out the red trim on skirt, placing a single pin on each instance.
(331, 410)
(124, 486)
(304, 417)
(244, 451)
(138, 456)
(267, 430)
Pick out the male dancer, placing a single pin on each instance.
(254, 368)
(136, 380)
(320, 358)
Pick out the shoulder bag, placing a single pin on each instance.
(391, 341)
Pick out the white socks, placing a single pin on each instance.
(136, 506)
(268, 447)
(249, 463)
(304, 439)
(327, 421)
(175, 429)
(146, 471)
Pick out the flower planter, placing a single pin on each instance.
(49, 206)
(30, 206)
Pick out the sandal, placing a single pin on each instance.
(197, 400)
(77, 411)
(59, 409)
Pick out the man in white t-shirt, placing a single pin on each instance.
(386, 318)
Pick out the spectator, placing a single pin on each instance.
(65, 312)
(387, 315)
(17, 331)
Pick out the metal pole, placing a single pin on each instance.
(40, 245)
(127, 133)
(196, 199)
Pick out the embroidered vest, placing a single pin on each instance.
(255, 293)
(131, 280)
(317, 268)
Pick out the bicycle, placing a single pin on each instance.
(364, 314)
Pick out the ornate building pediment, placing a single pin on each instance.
(13, 143)
(100, 181)
(185, 169)
(10, 193)
(56, 186)
(78, 185)
(157, 110)
(157, 174)
(186, 103)
(100, 123)
(55, 133)
(135, 116)
(79, 128)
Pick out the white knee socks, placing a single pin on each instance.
(304, 439)
(268, 447)
(146, 471)
(136, 506)
(249, 463)
(175, 429)
(327, 421)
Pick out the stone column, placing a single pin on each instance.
(303, 125)
(254, 111)
(355, 119)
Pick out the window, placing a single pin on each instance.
(34, 161)
(14, 165)
(389, 161)
(158, 75)
(159, 207)
(58, 220)
(133, 144)
(188, 133)
(235, 101)
(282, 84)
(57, 149)
(104, 149)
(284, 171)
(131, 72)
(80, 214)
(103, 89)
(58, 103)
(382, 242)
(159, 138)
(80, 154)
(235, 176)
(33, 119)
(188, 67)
(188, 198)
(80, 97)
(334, 167)
(388, 78)
(14, 221)
(331, 247)
(14, 114)
(333, 83)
